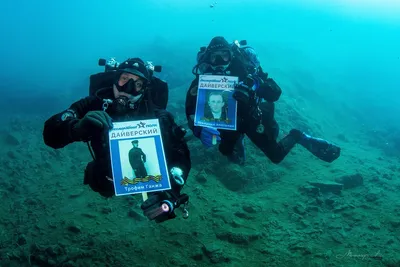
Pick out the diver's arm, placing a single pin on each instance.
(57, 129)
(85, 105)
(190, 107)
(176, 151)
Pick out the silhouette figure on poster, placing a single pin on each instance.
(137, 159)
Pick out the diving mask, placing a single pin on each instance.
(220, 57)
(130, 84)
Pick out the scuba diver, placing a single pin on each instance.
(255, 94)
(123, 93)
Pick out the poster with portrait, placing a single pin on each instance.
(215, 105)
(137, 157)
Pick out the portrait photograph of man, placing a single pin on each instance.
(215, 107)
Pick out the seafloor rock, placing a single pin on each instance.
(12, 155)
(299, 247)
(300, 209)
(395, 223)
(234, 179)
(328, 187)
(310, 190)
(21, 240)
(243, 215)
(350, 181)
(374, 225)
(338, 236)
(201, 177)
(251, 208)
(47, 255)
(238, 238)
(135, 215)
(11, 140)
(391, 262)
(74, 228)
(76, 192)
(373, 195)
(215, 254)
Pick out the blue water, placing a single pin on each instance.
(55, 45)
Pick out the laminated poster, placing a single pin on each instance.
(137, 158)
(216, 106)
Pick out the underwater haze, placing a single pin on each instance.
(338, 64)
(352, 45)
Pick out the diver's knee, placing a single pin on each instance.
(97, 181)
(275, 158)
(225, 150)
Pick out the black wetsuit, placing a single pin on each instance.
(249, 117)
(58, 133)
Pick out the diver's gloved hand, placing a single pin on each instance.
(268, 89)
(253, 85)
(320, 148)
(209, 136)
(93, 123)
(160, 206)
(238, 156)
(245, 90)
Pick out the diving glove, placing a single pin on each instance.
(209, 136)
(93, 123)
(245, 90)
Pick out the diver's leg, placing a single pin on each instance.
(232, 146)
(320, 148)
(263, 130)
(264, 135)
(238, 155)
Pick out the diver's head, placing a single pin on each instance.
(219, 54)
(132, 79)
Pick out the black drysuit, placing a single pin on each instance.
(249, 117)
(57, 134)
